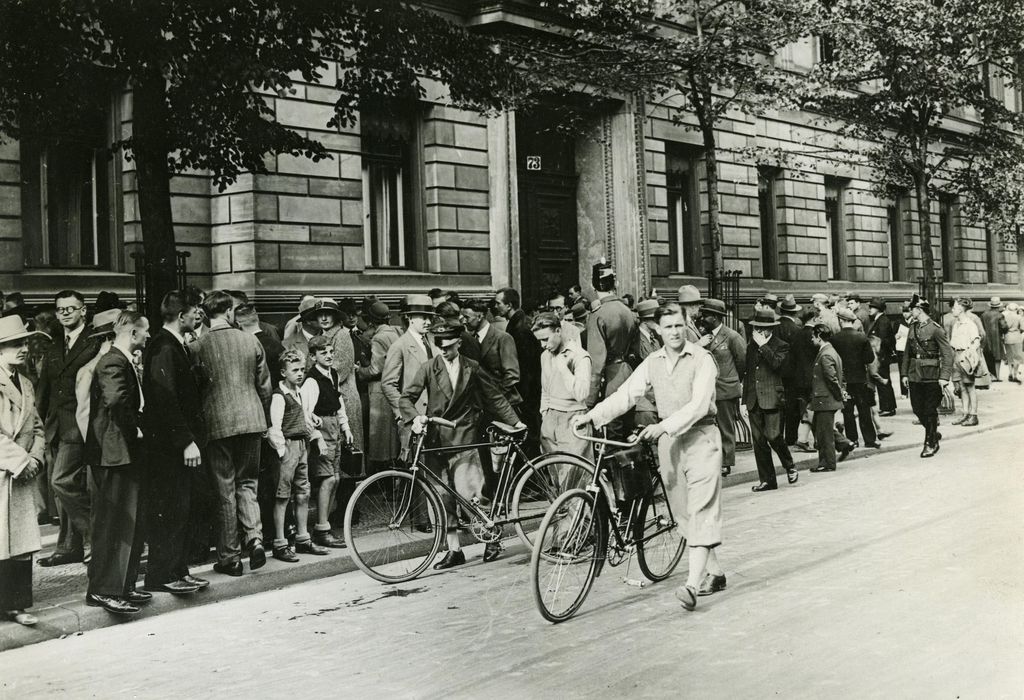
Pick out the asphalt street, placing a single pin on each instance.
(894, 577)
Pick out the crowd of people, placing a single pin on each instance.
(220, 432)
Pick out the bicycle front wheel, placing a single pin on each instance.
(663, 541)
(384, 526)
(568, 548)
(542, 481)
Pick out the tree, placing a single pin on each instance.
(700, 57)
(902, 71)
(199, 69)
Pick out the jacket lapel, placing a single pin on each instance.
(487, 343)
(17, 398)
(76, 349)
(442, 381)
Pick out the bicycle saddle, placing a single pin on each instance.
(509, 430)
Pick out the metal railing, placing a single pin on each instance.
(144, 274)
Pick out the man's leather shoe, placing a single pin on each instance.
(762, 486)
(327, 539)
(929, 450)
(179, 587)
(884, 434)
(195, 581)
(711, 584)
(56, 559)
(451, 559)
(792, 475)
(726, 471)
(844, 453)
(112, 604)
(804, 447)
(285, 554)
(233, 569)
(257, 556)
(138, 597)
(876, 445)
(887, 414)
(820, 468)
(424, 527)
(310, 547)
(687, 596)
(971, 421)
(492, 550)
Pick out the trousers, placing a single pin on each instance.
(70, 486)
(234, 467)
(925, 399)
(766, 435)
(118, 535)
(728, 413)
(857, 410)
(167, 501)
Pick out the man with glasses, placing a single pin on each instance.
(57, 403)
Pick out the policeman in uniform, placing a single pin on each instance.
(610, 331)
(927, 366)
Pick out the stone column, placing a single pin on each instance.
(503, 213)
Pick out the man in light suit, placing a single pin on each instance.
(726, 346)
(113, 448)
(764, 395)
(457, 389)
(404, 359)
(235, 400)
(174, 433)
(57, 404)
(827, 394)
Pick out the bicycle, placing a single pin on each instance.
(626, 498)
(395, 522)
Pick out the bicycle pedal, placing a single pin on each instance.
(634, 582)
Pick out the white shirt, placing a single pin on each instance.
(172, 331)
(453, 368)
(482, 331)
(71, 337)
(419, 340)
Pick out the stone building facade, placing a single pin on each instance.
(447, 198)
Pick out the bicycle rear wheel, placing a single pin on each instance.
(659, 555)
(542, 481)
(382, 526)
(569, 545)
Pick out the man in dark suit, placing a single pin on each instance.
(114, 451)
(173, 433)
(764, 396)
(796, 392)
(881, 328)
(727, 347)
(498, 353)
(528, 350)
(855, 350)
(827, 393)
(55, 399)
(248, 320)
(460, 391)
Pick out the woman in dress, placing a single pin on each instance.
(1014, 340)
(21, 458)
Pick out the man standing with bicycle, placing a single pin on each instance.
(682, 376)
(458, 390)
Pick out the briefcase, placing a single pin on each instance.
(352, 461)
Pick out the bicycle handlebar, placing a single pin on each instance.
(441, 421)
(633, 439)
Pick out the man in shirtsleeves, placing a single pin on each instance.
(683, 376)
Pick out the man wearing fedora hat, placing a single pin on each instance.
(764, 396)
(797, 364)
(689, 300)
(995, 331)
(458, 390)
(927, 368)
(729, 351)
(404, 359)
(309, 324)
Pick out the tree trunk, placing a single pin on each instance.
(714, 224)
(924, 215)
(151, 148)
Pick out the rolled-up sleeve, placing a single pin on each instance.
(702, 398)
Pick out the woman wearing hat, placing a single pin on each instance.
(331, 316)
(383, 447)
(21, 457)
(1014, 339)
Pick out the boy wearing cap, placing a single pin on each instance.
(863, 315)
(727, 347)
(927, 367)
(564, 387)
(827, 396)
(291, 429)
(321, 390)
(458, 390)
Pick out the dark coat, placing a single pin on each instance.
(882, 329)
(730, 355)
(499, 357)
(476, 395)
(827, 381)
(802, 354)
(272, 349)
(763, 386)
(55, 395)
(528, 353)
(610, 331)
(174, 407)
(855, 350)
(113, 437)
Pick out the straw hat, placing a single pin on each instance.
(13, 328)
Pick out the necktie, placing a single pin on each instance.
(15, 380)
(67, 343)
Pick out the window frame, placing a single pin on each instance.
(837, 264)
(767, 209)
(682, 187)
(895, 213)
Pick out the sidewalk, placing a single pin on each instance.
(60, 591)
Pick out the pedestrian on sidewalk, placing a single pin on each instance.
(289, 433)
(682, 376)
(968, 364)
(764, 396)
(564, 387)
(927, 366)
(881, 328)
(828, 394)
(382, 448)
(902, 333)
(1013, 340)
(726, 346)
(21, 458)
(113, 450)
(995, 331)
(855, 350)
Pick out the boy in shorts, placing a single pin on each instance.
(320, 391)
(289, 434)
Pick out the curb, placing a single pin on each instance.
(75, 617)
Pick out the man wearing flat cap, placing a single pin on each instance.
(610, 330)
(927, 368)
(458, 390)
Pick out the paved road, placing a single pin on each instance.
(894, 577)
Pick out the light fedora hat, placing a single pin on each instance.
(13, 328)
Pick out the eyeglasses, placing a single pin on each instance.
(66, 310)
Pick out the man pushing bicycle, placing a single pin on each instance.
(682, 376)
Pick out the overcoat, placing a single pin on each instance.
(827, 381)
(21, 437)
(383, 441)
(345, 365)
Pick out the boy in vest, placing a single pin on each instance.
(289, 434)
(320, 390)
